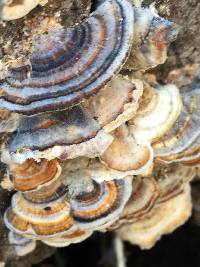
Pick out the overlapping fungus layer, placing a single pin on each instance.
(87, 57)
(182, 142)
(81, 155)
(68, 208)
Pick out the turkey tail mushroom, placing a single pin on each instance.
(158, 111)
(31, 175)
(182, 142)
(116, 103)
(152, 36)
(63, 134)
(162, 219)
(84, 60)
(143, 198)
(126, 154)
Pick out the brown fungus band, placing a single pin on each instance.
(86, 58)
(31, 175)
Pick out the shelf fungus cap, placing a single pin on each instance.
(15, 9)
(32, 175)
(152, 36)
(143, 198)
(40, 214)
(116, 103)
(158, 111)
(126, 154)
(94, 205)
(69, 209)
(22, 245)
(83, 61)
(182, 142)
(64, 134)
(162, 219)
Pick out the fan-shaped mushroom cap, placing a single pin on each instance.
(67, 134)
(15, 9)
(96, 205)
(83, 61)
(162, 219)
(182, 142)
(22, 245)
(31, 175)
(158, 111)
(68, 209)
(126, 154)
(144, 195)
(40, 214)
(152, 35)
(116, 103)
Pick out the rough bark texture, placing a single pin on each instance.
(184, 50)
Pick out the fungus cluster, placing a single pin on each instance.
(92, 149)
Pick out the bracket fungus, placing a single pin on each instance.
(181, 142)
(67, 134)
(83, 137)
(162, 219)
(75, 236)
(159, 109)
(116, 103)
(152, 35)
(125, 154)
(70, 207)
(144, 195)
(94, 169)
(102, 205)
(86, 58)
(31, 175)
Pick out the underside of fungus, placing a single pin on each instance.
(86, 142)
(162, 219)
